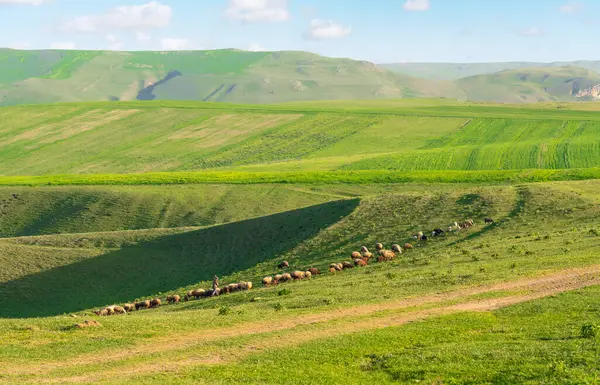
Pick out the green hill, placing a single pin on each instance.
(530, 84)
(409, 135)
(219, 75)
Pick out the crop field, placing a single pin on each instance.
(113, 203)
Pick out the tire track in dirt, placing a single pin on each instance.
(347, 321)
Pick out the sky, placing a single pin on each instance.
(380, 31)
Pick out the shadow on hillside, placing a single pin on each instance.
(165, 264)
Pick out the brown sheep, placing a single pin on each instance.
(267, 281)
(298, 275)
(355, 254)
(386, 256)
(286, 277)
(314, 271)
(396, 248)
(155, 302)
(175, 298)
(408, 246)
(347, 265)
(283, 265)
(332, 270)
(364, 249)
(360, 262)
(119, 310)
(142, 305)
(226, 289)
(244, 285)
(277, 278)
(129, 307)
(367, 255)
(102, 312)
(198, 293)
(307, 274)
(378, 246)
(188, 295)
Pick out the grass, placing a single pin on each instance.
(404, 136)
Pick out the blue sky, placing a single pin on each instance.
(375, 30)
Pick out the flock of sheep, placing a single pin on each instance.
(360, 258)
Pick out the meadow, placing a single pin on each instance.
(106, 203)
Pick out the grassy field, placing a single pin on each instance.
(104, 203)
(540, 228)
(403, 136)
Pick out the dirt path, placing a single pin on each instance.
(346, 321)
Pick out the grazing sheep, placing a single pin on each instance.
(102, 312)
(307, 274)
(488, 221)
(340, 266)
(424, 238)
(87, 324)
(378, 246)
(188, 295)
(332, 270)
(387, 255)
(407, 246)
(142, 305)
(175, 298)
(360, 262)
(396, 248)
(155, 302)
(286, 277)
(438, 233)
(298, 275)
(283, 265)
(314, 271)
(355, 254)
(367, 255)
(226, 289)
(129, 307)
(199, 293)
(267, 281)
(119, 310)
(277, 278)
(347, 265)
(364, 249)
(419, 235)
(336, 266)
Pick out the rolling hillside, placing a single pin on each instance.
(219, 75)
(134, 137)
(531, 85)
(455, 71)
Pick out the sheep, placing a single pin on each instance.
(386, 256)
(419, 235)
(337, 266)
(364, 249)
(175, 298)
(234, 287)
(488, 221)
(119, 310)
(286, 277)
(155, 302)
(199, 293)
(307, 274)
(298, 275)
(378, 246)
(438, 233)
(226, 289)
(355, 254)
(314, 271)
(424, 238)
(267, 281)
(360, 262)
(283, 265)
(332, 270)
(277, 278)
(340, 266)
(408, 246)
(129, 307)
(102, 312)
(87, 324)
(188, 295)
(245, 285)
(110, 309)
(142, 305)
(396, 248)
(367, 255)
(347, 265)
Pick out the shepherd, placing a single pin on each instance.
(215, 286)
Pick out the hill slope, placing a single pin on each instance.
(531, 85)
(220, 75)
(133, 137)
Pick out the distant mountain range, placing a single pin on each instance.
(45, 76)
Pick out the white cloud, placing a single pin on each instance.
(326, 29)
(255, 47)
(125, 17)
(571, 7)
(23, 2)
(253, 11)
(531, 32)
(142, 37)
(114, 43)
(173, 44)
(62, 45)
(416, 5)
